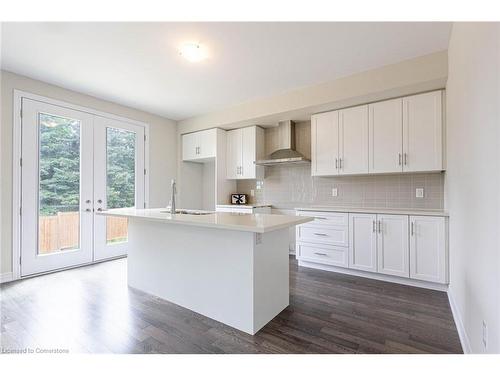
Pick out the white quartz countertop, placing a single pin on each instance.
(257, 223)
(394, 211)
(243, 205)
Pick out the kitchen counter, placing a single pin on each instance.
(256, 223)
(229, 267)
(243, 205)
(393, 211)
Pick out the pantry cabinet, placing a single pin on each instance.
(391, 136)
(428, 255)
(199, 146)
(244, 146)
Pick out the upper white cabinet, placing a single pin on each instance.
(353, 140)
(423, 132)
(392, 136)
(339, 142)
(325, 143)
(428, 258)
(244, 146)
(386, 136)
(199, 146)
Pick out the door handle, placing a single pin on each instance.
(323, 254)
(340, 163)
(100, 209)
(399, 158)
(406, 159)
(412, 231)
(336, 163)
(374, 229)
(99, 201)
(320, 234)
(380, 226)
(88, 210)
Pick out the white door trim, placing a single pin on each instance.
(16, 166)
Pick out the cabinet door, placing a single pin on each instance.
(189, 146)
(385, 147)
(423, 132)
(353, 136)
(363, 242)
(207, 146)
(325, 143)
(392, 245)
(428, 258)
(233, 153)
(249, 151)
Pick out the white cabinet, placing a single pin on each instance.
(363, 242)
(386, 136)
(199, 146)
(423, 132)
(244, 147)
(392, 245)
(428, 249)
(353, 140)
(243, 209)
(325, 143)
(392, 136)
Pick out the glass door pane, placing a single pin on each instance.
(120, 180)
(59, 184)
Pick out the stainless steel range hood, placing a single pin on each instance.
(286, 153)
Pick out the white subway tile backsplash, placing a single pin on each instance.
(288, 186)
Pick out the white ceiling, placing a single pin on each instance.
(138, 64)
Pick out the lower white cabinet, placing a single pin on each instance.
(363, 242)
(393, 256)
(428, 255)
(398, 245)
(244, 209)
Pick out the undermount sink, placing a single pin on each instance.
(188, 212)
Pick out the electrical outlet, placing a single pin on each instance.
(335, 192)
(419, 192)
(485, 335)
(252, 193)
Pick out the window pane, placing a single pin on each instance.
(120, 180)
(59, 179)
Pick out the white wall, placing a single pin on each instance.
(163, 147)
(472, 181)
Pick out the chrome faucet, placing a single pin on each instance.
(172, 200)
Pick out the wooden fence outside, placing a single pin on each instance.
(62, 231)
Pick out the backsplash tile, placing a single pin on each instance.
(286, 186)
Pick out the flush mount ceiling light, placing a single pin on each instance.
(193, 52)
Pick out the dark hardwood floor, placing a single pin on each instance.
(91, 309)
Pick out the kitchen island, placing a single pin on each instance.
(227, 266)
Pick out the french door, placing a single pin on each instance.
(75, 164)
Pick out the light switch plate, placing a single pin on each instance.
(419, 192)
(335, 192)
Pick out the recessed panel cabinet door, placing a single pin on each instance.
(249, 151)
(392, 245)
(233, 153)
(189, 146)
(363, 242)
(353, 136)
(325, 144)
(428, 248)
(207, 143)
(423, 132)
(386, 136)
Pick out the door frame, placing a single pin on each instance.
(18, 95)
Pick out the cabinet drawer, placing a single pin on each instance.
(334, 235)
(326, 218)
(336, 256)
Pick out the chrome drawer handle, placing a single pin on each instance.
(321, 218)
(323, 254)
(320, 234)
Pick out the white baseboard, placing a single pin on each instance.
(375, 276)
(464, 339)
(6, 277)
